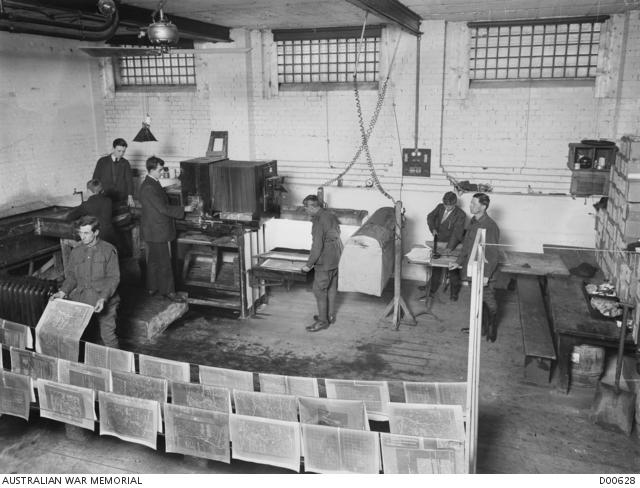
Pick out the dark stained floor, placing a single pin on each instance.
(522, 428)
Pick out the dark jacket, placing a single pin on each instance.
(326, 246)
(116, 178)
(91, 273)
(450, 231)
(100, 207)
(492, 237)
(158, 216)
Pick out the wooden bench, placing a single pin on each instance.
(539, 351)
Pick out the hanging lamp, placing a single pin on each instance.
(144, 134)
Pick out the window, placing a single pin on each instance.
(563, 48)
(327, 55)
(172, 69)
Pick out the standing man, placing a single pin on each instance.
(158, 230)
(114, 172)
(98, 205)
(92, 276)
(326, 248)
(480, 220)
(446, 224)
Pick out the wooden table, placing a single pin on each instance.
(530, 263)
(574, 325)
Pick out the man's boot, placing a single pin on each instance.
(485, 322)
(493, 327)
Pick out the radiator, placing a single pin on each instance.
(23, 298)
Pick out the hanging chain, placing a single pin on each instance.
(372, 123)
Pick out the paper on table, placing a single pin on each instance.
(419, 255)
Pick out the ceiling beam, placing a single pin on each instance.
(393, 11)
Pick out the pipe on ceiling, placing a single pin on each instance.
(47, 27)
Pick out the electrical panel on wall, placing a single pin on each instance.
(416, 162)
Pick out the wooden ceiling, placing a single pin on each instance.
(291, 14)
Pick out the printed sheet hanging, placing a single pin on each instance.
(16, 392)
(434, 421)
(334, 450)
(60, 327)
(206, 397)
(349, 414)
(267, 405)
(197, 432)
(227, 378)
(288, 385)
(33, 364)
(445, 393)
(130, 419)
(79, 374)
(375, 394)
(66, 403)
(403, 454)
(265, 441)
(109, 358)
(16, 335)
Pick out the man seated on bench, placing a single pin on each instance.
(480, 220)
(446, 224)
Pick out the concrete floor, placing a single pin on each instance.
(522, 428)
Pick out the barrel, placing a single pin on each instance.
(587, 365)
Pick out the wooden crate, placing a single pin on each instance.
(586, 182)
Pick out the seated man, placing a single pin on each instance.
(99, 205)
(92, 276)
(446, 224)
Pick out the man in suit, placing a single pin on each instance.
(114, 172)
(446, 224)
(92, 276)
(158, 230)
(98, 205)
(480, 220)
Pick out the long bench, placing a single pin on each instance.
(539, 351)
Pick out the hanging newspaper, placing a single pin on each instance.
(434, 421)
(288, 385)
(65, 403)
(265, 441)
(109, 358)
(197, 432)
(227, 378)
(16, 335)
(130, 419)
(403, 454)
(335, 450)
(79, 374)
(139, 386)
(60, 327)
(206, 397)
(267, 405)
(446, 393)
(33, 364)
(16, 392)
(375, 394)
(164, 368)
(349, 414)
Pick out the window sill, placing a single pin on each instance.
(327, 86)
(549, 82)
(156, 88)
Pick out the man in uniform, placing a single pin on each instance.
(480, 220)
(98, 205)
(92, 276)
(158, 230)
(446, 224)
(114, 172)
(326, 248)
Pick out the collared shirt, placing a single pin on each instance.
(450, 230)
(91, 273)
(492, 237)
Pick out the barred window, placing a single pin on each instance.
(327, 55)
(171, 69)
(562, 48)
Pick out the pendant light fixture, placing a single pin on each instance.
(144, 134)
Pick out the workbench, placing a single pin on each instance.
(574, 325)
